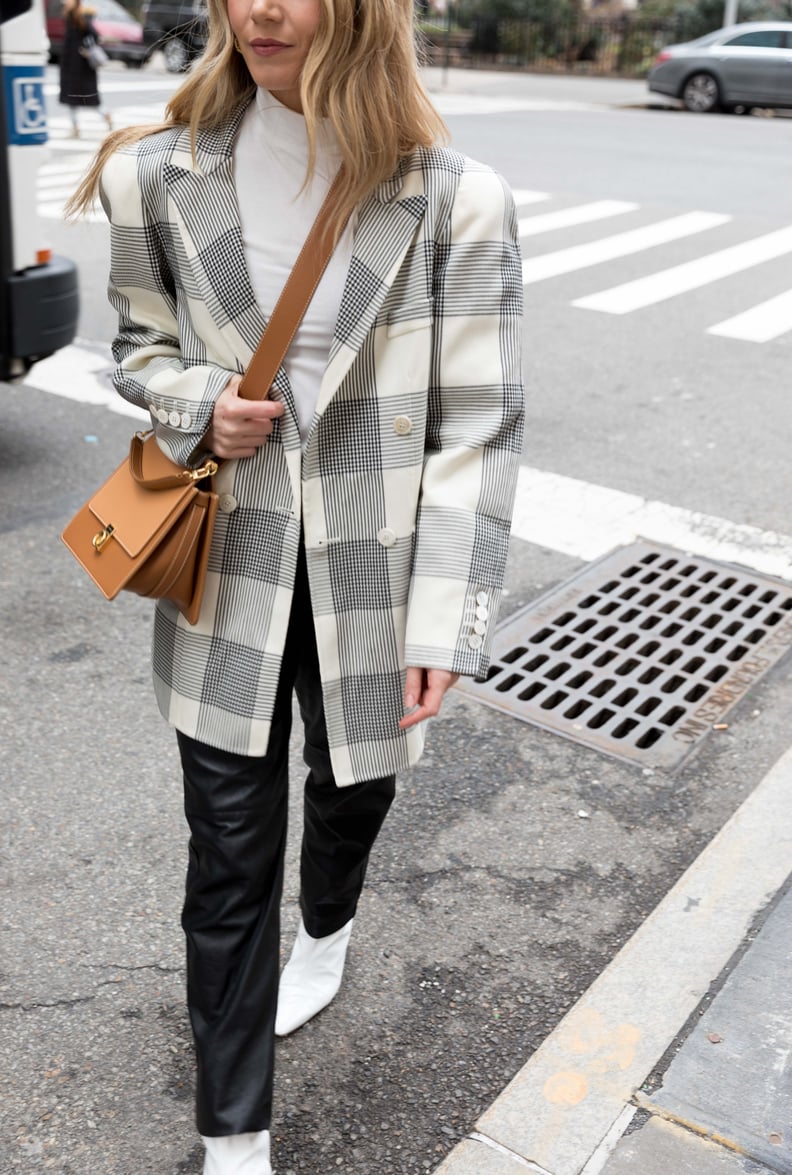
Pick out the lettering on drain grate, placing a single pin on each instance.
(640, 654)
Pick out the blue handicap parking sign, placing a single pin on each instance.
(25, 108)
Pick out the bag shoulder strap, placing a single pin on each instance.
(268, 356)
(292, 303)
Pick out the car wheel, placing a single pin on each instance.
(701, 93)
(176, 54)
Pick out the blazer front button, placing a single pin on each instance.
(402, 425)
(227, 503)
(386, 537)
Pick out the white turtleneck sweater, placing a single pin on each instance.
(270, 160)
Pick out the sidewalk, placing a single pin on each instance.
(539, 88)
(677, 1059)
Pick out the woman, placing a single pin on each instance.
(364, 505)
(78, 78)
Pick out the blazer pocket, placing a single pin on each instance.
(413, 316)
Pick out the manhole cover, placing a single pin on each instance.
(640, 654)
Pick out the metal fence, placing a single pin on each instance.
(625, 45)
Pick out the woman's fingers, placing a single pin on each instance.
(424, 690)
(240, 427)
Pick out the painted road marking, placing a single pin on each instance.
(536, 269)
(83, 374)
(531, 226)
(56, 182)
(657, 287)
(552, 511)
(527, 196)
(167, 83)
(586, 521)
(761, 324)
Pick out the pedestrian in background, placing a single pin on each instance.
(365, 505)
(79, 78)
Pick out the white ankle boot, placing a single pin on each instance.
(238, 1154)
(311, 978)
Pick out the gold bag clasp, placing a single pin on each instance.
(208, 469)
(99, 541)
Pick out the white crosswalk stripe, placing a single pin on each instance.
(532, 226)
(769, 320)
(691, 275)
(93, 128)
(536, 269)
(57, 181)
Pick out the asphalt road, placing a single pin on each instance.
(492, 903)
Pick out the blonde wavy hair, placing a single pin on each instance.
(361, 74)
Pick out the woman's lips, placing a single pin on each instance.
(267, 48)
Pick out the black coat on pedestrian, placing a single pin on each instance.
(78, 79)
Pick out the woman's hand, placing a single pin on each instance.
(240, 427)
(424, 691)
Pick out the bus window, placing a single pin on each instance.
(38, 292)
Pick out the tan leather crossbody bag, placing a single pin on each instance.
(148, 528)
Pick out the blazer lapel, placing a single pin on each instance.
(203, 198)
(384, 232)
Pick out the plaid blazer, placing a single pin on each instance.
(405, 485)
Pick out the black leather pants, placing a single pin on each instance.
(236, 807)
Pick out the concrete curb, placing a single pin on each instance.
(565, 1110)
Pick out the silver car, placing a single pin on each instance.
(741, 66)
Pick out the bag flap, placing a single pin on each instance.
(137, 514)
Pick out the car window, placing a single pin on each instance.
(763, 38)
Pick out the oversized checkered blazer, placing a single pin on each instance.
(405, 485)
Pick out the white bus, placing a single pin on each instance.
(38, 292)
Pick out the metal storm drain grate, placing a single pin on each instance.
(641, 653)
